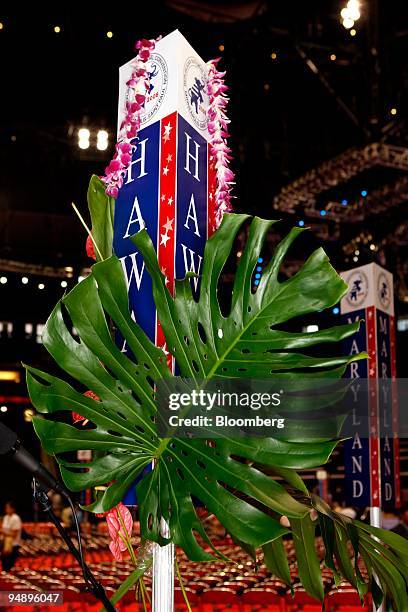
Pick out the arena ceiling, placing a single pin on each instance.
(304, 94)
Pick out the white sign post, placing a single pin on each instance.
(372, 462)
(169, 190)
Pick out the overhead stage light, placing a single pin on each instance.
(350, 14)
(102, 140)
(353, 8)
(83, 138)
(84, 133)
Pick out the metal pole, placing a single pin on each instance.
(163, 574)
(375, 521)
(375, 517)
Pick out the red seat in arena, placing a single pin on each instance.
(191, 596)
(210, 581)
(345, 598)
(235, 585)
(218, 596)
(264, 598)
(302, 599)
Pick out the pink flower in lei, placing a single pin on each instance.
(218, 130)
(138, 87)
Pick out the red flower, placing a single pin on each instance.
(90, 250)
(120, 525)
(77, 418)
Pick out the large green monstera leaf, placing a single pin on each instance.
(226, 474)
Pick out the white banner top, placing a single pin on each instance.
(369, 285)
(177, 83)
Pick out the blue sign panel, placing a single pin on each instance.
(357, 448)
(191, 225)
(135, 208)
(388, 493)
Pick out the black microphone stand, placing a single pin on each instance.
(41, 497)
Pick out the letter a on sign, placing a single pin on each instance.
(135, 217)
(192, 214)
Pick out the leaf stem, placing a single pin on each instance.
(143, 594)
(130, 581)
(183, 590)
(162, 447)
(87, 229)
(126, 538)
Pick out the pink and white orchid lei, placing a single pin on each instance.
(218, 130)
(137, 88)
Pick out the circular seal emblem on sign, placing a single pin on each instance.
(159, 77)
(383, 290)
(194, 84)
(358, 288)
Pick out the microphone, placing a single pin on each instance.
(10, 445)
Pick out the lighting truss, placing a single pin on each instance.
(305, 190)
(20, 267)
